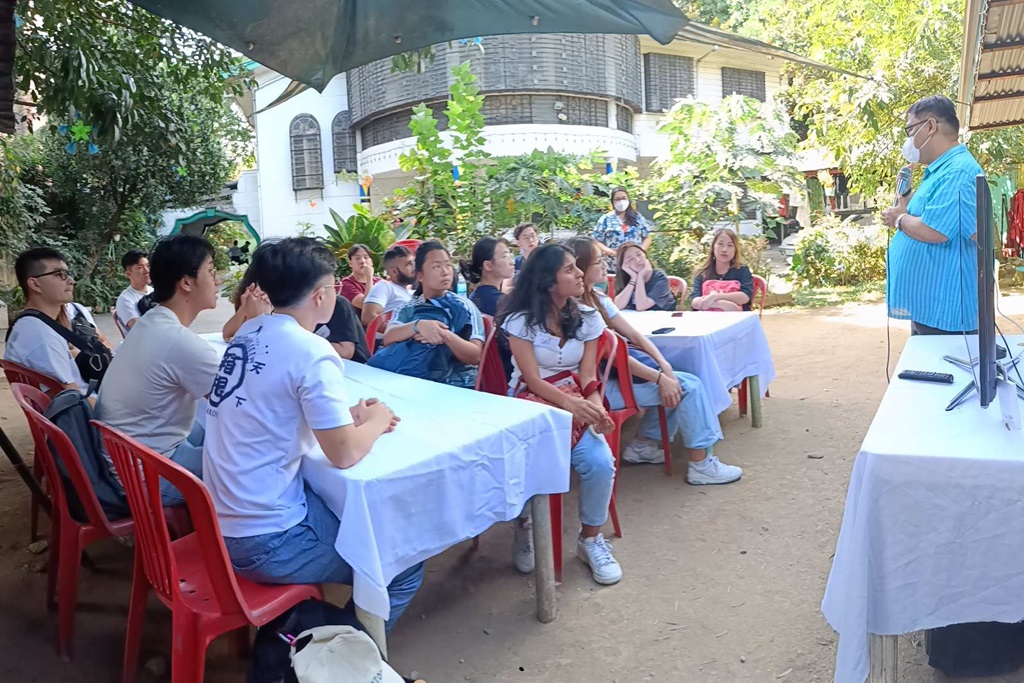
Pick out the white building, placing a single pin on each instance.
(573, 93)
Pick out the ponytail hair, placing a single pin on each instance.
(483, 250)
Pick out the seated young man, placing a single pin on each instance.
(162, 369)
(136, 268)
(279, 393)
(48, 286)
(439, 335)
(389, 295)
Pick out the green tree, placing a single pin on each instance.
(114, 64)
(722, 161)
(906, 49)
(442, 205)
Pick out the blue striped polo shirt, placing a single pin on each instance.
(937, 284)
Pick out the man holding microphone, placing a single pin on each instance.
(932, 264)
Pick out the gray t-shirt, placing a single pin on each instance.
(154, 383)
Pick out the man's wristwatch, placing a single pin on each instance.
(898, 219)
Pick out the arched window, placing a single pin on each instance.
(307, 164)
(344, 139)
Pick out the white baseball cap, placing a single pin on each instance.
(341, 653)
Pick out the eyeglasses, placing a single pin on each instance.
(912, 126)
(62, 273)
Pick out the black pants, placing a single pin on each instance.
(922, 329)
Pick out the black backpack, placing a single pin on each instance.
(271, 661)
(93, 357)
(71, 412)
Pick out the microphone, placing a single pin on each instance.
(902, 183)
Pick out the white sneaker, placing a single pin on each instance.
(522, 552)
(711, 470)
(645, 451)
(596, 553)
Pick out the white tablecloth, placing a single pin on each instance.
(459, 461)
(933, 531)
(720, 348)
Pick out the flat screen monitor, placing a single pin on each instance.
(986, 295)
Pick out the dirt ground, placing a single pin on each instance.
(721, 583)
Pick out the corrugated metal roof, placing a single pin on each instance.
(992, 68)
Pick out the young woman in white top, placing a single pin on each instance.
(549, 332)
(688, 408)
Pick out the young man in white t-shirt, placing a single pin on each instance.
(136, 268)
(162, 369)
(279, 394)
(391, 294)
(43, 276)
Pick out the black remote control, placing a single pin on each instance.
(922, 376)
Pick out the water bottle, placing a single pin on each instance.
(460, 286)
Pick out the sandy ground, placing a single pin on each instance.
(721, 584)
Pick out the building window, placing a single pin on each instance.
(743, 82)
(307, 164)
(667, 78)
(344, 140)
(624, 118)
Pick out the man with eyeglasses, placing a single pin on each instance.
(932, 263)
(162, 369)
(49, 288)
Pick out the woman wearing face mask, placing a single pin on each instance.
(621, 225)
(723, 283)
(638, 285)
(932, 264)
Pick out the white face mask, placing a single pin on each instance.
(621, 205)
(911, 152)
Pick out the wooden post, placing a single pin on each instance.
(374, 628)
(754, 397)
(883, 654)
(544, 555)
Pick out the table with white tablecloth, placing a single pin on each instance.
(458, 462)
(933, 530)
(721, 348)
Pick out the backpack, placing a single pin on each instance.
(424, 361)
(71, 411)
(93, 357)
(271, 652)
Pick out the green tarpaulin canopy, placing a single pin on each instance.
(311, 41)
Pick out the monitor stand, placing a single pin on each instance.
(1002, 373)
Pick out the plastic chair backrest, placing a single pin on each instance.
(606, 346)
(611, 285)
(117, 322)
(371, 330)
(140, 470)
(760, 291)
(491, 376)
(411, 245)
(51, 386)
(677, 286)
(48, 438)
(621, 364)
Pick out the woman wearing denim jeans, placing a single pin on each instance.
(687, 407)
(549, 333)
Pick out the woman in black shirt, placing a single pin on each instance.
(638, 285)
(713, 288)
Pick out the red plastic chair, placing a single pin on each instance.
(371, 330)
(192, 575)
(760, 292)
(490, 378)
(51, 386)
(619, 417)
(606, 346)
(611, 285)
(677, 286)
(411, 245)
(68, 535)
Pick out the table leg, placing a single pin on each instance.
(374, 626)
(754, 396)
(544, 572)
(883, 653)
